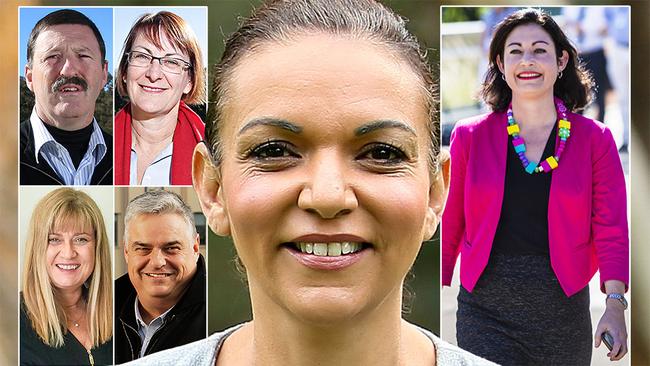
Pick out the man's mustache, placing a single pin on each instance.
(63, 80)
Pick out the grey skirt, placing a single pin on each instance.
(518, 314)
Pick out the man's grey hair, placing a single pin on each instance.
(158, 202)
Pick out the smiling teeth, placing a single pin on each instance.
(157, 275)
(329, 249)
(528, 74)
(68, 266)
(151, 88)
(69, 89)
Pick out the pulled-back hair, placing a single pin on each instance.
(279, 21)
(575, 85)
(61, 208)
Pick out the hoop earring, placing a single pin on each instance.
(503, 77)
(560, 75)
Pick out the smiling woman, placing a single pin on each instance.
(322, 162)
(66, 309)
(161, 69)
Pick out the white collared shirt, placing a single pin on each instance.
(157, 173)
(58, 157)
(147, 331)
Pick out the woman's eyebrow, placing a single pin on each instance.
(381, 124)
(273, 122)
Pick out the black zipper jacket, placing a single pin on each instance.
(185, 323)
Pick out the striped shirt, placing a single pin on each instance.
(57, 157)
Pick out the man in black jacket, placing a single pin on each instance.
(61, 142)
(160, 302)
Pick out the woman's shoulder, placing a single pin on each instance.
(588, 128)
(479, 122)
(448, 354)
(202, 352)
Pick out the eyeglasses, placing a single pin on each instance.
(168, 64)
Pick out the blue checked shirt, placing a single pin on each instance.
(59, 158)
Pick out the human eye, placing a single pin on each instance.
(81, 240)
(53, 240)
(140, 57)
(515, 51)
(172, 62)
(173, 249)
(52, 57)
(540, 50)
(382, 154)
(272, 150)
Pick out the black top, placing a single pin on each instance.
(185, 322)
(76, 142)
(523, 225)
(33, 351)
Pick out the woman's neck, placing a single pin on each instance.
(377, 339)
(70, 298)
(154, 130)
(534, 113)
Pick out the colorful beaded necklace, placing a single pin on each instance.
(564, 131)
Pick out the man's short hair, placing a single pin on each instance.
(158, 202)
(64, 16)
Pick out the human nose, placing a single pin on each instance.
(70, 67)
(154, 70)
(327, 192)
(527, 58)
(68, 251)
(158, 259)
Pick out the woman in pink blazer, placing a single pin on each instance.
(536, 205)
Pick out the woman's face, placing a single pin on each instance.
(70, 256)
(153, 91)
(530, 63)
(325, 185)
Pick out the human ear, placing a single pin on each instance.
(188, 87)
(105, 71)
(437, 195)
(126, 253)
(500, 64)
(562, 60)
(206, 180)
(28, 77)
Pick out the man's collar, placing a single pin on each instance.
(138, 317)
(42, 136)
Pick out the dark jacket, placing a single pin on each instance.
(185, 323)
(33, 173)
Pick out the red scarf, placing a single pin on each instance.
(189, 131)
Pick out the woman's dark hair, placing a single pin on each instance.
(575, 85)
(278, 21)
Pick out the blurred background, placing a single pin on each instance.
(229, 300)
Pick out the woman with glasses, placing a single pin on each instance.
(160, 72)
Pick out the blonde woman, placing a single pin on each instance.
(66, 310)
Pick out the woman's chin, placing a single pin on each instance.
(322, 306)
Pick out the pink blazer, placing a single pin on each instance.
(587, 209)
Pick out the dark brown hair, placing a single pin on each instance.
(180, 36)
(575, 86)
(59, 17)
(278, 20)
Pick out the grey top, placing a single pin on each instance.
(206, 351)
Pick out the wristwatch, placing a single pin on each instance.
(618, 297)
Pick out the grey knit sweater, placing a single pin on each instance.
(205, 352)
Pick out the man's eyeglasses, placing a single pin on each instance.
(168, 64)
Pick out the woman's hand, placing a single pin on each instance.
(613, 322)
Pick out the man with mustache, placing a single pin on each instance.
(62, 143)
